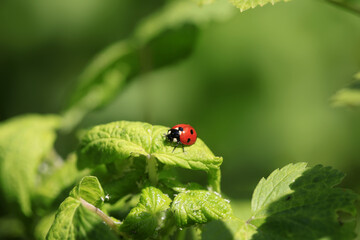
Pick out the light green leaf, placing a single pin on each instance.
(246, 4)
(118, 141)
(349, 96)
(277, 185)
(199, 206)
(298, 202)
(73, 219)
(24, 142)
(90, 190)
(148, 216)
(176, 25)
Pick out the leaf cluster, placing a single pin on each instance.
(122, 182)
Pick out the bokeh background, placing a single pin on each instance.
(257, 88)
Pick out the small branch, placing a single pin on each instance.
(353, 9)
(152, 169)
(104, 217)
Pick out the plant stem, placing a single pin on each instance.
(214, 178)
(104, 217)
(152, 170)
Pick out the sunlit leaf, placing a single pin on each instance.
(118, 141)
(74, 221)
(199, 206)
(148, 215)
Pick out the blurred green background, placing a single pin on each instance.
(257, 87)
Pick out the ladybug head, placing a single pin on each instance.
(173, 135)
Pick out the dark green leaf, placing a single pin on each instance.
(24, 142)
(298, 202)
(229, 229)
(176, 25)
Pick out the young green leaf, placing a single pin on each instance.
(118, 141)
(90, 190)
(246, 4)
(298, 197)
(148, 216)
(349, 96)
(73, 219)
(24, 142)
(199, 206)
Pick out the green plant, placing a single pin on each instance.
(124, 174)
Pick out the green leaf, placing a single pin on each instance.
(229, 229)
(24, 142)
(298, 202)
(120, 187)
(176, 25)
(199, 206)
(349, 96)
(90, 190)
(277, 185)
(73, 219)
(246, 4)
(148, 216)
(118, 141)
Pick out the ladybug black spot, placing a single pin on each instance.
(191, 131)
(181, 129)
(188, 140)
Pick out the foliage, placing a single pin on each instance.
(123, 176)
(293, 195)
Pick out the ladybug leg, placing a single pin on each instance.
(183, 148)
(175, 147)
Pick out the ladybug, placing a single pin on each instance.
(183, 134)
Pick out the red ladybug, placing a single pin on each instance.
(183, 134)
